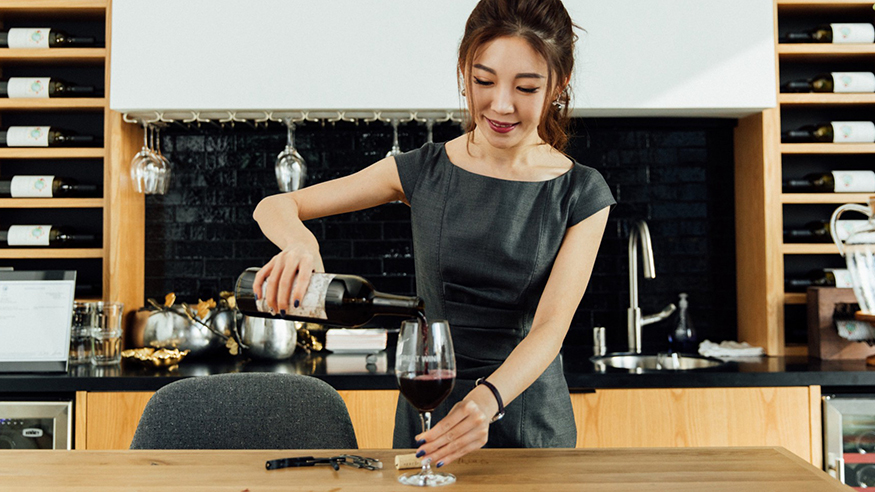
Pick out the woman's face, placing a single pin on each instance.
(508, 84)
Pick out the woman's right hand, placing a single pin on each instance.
(288, 276)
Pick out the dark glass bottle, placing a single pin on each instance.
(42, 136)
(34, 87)
(825, 277)
(833, 33)
(25, 37)
(34, 236)
(833, 181)
(22, 186)
(848, 131)
(847, 82)
(334, 299)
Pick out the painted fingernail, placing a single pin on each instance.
(256, 296)
(297, 302)
(420, 454)
(420, 442)
(440, 464)
(283, 312)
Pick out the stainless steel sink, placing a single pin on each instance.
(654, 362)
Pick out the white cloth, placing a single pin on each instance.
(729, 349)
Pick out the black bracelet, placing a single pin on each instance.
(497, 395)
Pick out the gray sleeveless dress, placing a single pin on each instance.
(483, 250)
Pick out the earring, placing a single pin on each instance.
(462, 91)
(558, 105)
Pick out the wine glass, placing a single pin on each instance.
(291, 170)
(425, 366)
(396, 149)
(140, 162)
(164, 169)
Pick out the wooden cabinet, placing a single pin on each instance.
(701, 417)
(762, 162)
(113, 267)
(106, 420)
(691, 417)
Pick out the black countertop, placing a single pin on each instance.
(360, 372)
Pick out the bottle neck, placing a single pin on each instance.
(398, 305)
(797, 86)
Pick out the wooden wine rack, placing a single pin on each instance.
(122, 252)
(759, 197)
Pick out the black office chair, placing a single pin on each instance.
(246, 411)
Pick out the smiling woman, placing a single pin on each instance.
(505, 227)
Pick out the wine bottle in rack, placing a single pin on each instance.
(818, 231)
(42, 37)
(833, 182)
(838, 82)
(832, 132)
(346, 300)
(825, 277)
(25, 186)
(48, 236)
(838, 33)
(42, 136)
(41, 88)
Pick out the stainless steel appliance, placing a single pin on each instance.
(36, 425)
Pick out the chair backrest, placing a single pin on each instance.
(246, 411)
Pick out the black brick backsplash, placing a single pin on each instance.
(677, 174)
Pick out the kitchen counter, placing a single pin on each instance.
(359, 372)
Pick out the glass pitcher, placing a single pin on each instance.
(859, 252)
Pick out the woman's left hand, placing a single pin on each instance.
(464, 429)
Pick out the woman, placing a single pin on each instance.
(506, 228)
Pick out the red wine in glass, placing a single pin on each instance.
(425, 366)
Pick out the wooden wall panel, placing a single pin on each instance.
(696, 417)
(373, 416)
(112, 418)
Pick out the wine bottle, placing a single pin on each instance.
(825, 277)
(818, 231)
(42, 136)
(345, 300)
(833, 182)
(41, 88)
(22, 186)
(832, 132)
(838, 33)
(43, 236)
(42, 37)
(844, 82)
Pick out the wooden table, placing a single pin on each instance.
(769, 469)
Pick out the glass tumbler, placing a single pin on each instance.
(106, 333)
(80, 332)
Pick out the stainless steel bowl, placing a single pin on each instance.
(269, 338)
(174, 330)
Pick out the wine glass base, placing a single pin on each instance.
(427, 480)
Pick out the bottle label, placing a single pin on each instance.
(26, 38)
(854, 181)
(852, 82)
(853, 131)
(28, 136)
(31, 186)
(842, 276)
(844, 228)
(853, 33)
(29, 235)
(313, 303)
(28, 88)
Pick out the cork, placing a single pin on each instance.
(405, 461)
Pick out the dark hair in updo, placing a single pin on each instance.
(547, 27)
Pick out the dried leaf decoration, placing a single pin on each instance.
(232, 346)
(229, 299)
(169, 299)
(203, 308)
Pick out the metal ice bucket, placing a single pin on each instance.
(859, 252)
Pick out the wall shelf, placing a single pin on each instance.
(50, 253)
(51, 153)
(51, 203)
(825, 99)
(827, 148)
(795, 298)
(837, 198)
(77, 103)
(809, 249)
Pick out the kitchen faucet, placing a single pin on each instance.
(635, 320)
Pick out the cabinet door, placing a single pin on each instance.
(701, 417)
(109, 420)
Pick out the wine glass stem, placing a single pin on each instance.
(425, 417)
